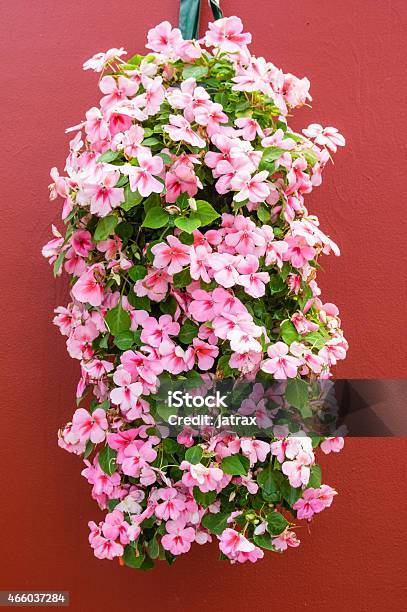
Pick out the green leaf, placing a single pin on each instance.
(204, 499)
(315, 339)
(130, 559)
(194, 454)
(206, 212)
(153, 549)
(270, 480)
(131, 198)
(272, 153)
(188, 332)
(290, 494)
(105, 227)
(264, 541)
(137, 272)
(216, 523)
(124, 340)
(289, 333)
(118, 320)
(150, 142)
(107, 460)
(236, 465)
(315, 477)
(153, 201)
(156, 217)
(276, 523)
(224, 367)
(194, 72)
(276, 284)
(58, 262)
(188, 224)
(297, 395)
(263, 213)
(107, 156)
(169, 306)
(124, 231)
(88, 449)
(182, 279)
(310, 156)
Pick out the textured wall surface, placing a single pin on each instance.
(355, 554)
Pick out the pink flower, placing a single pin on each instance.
(172, 256)
(328, 136)
(245, 237)
(154, 96)
(211, 116)
(225, 268)
(81, 242)
(137, 455)
(202, 307)
(280, 364)
(180, 128)
(285, 539)
(163, 38)
(106, 549)
(232, 542)
(132, 140)
(178, 537)
(199, 263)
(252, 281)
(172, 505)
(89, 287)
(116, 91)
(79, 344)
(126, 393)
(205, 353)
(325, 494)
(299, 253)
(154, 285)
(249, 128)
(308, 504)
(227, 35)
(298, 470)
(252, 188)
(98, 61)
(115, 527)
(334, 445)
(255, 450)
(197, 475)
(103, 194)
(142, 177)
(181, 178)
(175, 359)
(91, 427)
(154, 332)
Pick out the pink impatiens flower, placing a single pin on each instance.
(142, 177)
(103, 195)
(199, 263)
(172, 505)
(328, 136)
(91, 427)
(280, 364)
(172, 256)
(252, 188)
(227, 35)
(137, 455)
(205, 353)
(126, 393)
(89, 286)
(285, 539)
(180, 128)
(155, 332)
(253, 282)
(178, 538)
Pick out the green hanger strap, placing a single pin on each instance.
(189, 11)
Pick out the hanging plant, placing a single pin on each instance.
(191, 254)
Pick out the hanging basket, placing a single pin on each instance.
(193, 261)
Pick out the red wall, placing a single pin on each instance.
(353, 53)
